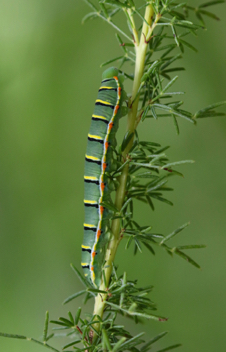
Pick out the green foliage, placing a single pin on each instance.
(147, 168)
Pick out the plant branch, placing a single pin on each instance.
(133, 26)
(44, 344)
(140, 49)
(108, 20)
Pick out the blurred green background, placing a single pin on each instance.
(49, 77)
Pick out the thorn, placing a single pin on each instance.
(78, 328)
(147, 41)
(80, 331)
(163, 319)
(121, 234)
(165, 168)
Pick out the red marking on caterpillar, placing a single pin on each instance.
(116, 109)
(98, 234)
(101, 210)
(111, 124)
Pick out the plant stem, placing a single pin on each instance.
(140, 48)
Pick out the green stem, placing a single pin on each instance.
(141, 48)
(21, 337)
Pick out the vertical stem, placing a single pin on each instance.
(141, 48)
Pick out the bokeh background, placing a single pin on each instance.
(49, 77)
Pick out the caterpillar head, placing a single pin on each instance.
(110, 72)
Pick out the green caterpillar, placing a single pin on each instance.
(98, 162)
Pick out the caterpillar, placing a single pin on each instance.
(99, 162)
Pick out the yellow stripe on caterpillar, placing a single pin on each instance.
(91, 178)
(91, 226)
(92, 157)
(95, 137)
(103, 87)
(100, 117)
(86, 247)
(90, 201)
(103, 102)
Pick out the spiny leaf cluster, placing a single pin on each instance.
(107, 9)
(124, 297)
(171, 27)
(149, 172)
